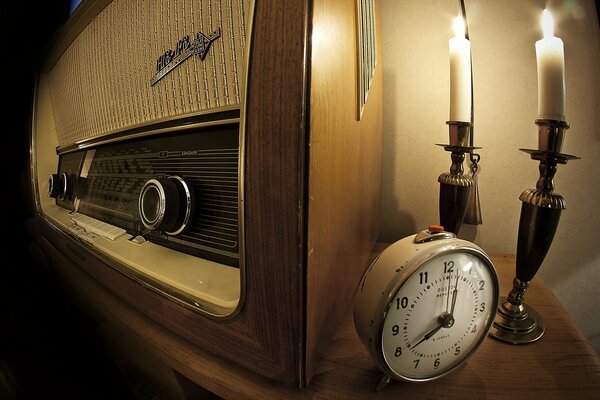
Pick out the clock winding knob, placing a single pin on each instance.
(165, 204)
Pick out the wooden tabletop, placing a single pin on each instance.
(561, 365)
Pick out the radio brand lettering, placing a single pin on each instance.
(189, 153)
(170, 55)
(184, 49)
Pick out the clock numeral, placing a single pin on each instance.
(395, 330)
(474, 330)
(422, 277)
(448, 266)
(481, 285)
(416, 362)
(457, 350)
(401, 302)
(436, 363)
(398, 352)
(482, 308)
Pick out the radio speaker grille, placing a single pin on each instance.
(102, 83)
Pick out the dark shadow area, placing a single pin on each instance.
(48, 347)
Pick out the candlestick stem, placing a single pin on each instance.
(455, 185)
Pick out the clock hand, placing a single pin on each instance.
(448, 298)
(427, 336)
(445, 320)
(454, 293)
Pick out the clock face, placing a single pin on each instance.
(439, 315)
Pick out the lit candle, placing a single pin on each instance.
(460, 74)
(550, 56)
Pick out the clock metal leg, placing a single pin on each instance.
(382, 383)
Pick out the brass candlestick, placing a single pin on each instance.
(517, 322)
(455, 185)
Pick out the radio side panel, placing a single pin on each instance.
(345, 165)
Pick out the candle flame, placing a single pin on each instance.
(547, 24)
(459, 27)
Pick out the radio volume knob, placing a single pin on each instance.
(165, 204)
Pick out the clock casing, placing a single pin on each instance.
(425, 305)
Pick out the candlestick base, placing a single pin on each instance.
(517, 325)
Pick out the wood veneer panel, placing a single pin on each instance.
(345, 172)
(274, 182)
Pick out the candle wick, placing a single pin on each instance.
(547, 24)
(459, 27)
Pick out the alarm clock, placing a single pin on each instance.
(425, 304)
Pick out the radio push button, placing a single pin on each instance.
(165, 204)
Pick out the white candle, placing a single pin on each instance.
(460, 74)
(550, 56)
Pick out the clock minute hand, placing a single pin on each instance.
(454, 293)
(448, 298)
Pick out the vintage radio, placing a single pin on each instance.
(214, 168)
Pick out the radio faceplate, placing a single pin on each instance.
(105, 182)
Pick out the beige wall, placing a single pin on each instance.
(416, 104)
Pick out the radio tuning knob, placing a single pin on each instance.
(53, 185)
(165, 204)
(58, 185)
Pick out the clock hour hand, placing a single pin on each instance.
(427, 336)
(446, 320)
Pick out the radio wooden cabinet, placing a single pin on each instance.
(214, 167)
